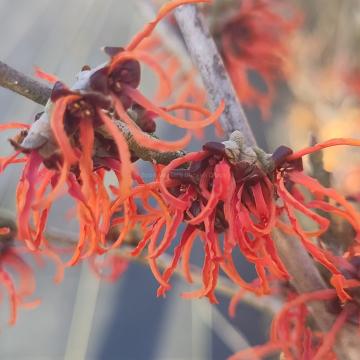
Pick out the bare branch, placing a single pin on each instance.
(23, 85)
(206, 57)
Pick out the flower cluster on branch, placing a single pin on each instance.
(228, 195)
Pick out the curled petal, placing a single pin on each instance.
(165, 84)
(221, 180)
(14, 125)
(329, 339)
(320, 220)
(164, 10)
(41, 74)
(183, 123)
(187, 235)
(152, 262)
(178, 203)
(12, 159)
(25, 195)
(323, 145)
(314, 186)
(322, 256)
(9, 285)
(186, 254)
(147, 140)
(123, 151)
(26, 283)
(57, 126)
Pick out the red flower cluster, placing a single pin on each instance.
(293, 337)
(84, 142)
(17, 276)
(244, 194)
(256, 39)
(77, 140)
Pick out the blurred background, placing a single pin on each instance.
(316, 95)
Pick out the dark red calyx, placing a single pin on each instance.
(97, 99)
(86, 108)
(147, 124)
(215, 148)
(144, 118)
(280, 154)
(99, 81)
(190, 175)
(220, 223)
(240, 31)
(125, 73)
(53, 162)
(296, 165)
(198, 166)
(334, 306)
(59, 90)
(247, 172)
(113, 50)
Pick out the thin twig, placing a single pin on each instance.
(305, 276)
(205, 55)
(23, 85)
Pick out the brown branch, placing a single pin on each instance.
(23, 85)
(305, 275)
(205, 55)
(40, 133)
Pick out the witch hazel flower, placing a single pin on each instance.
(255, 37)
(224, 192)
(17, 276)
(293, 331)
(295, 336)
(232, 197)
(17, 293)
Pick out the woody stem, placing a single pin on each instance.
(305, 276)
(23, 85)
(207, 59)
